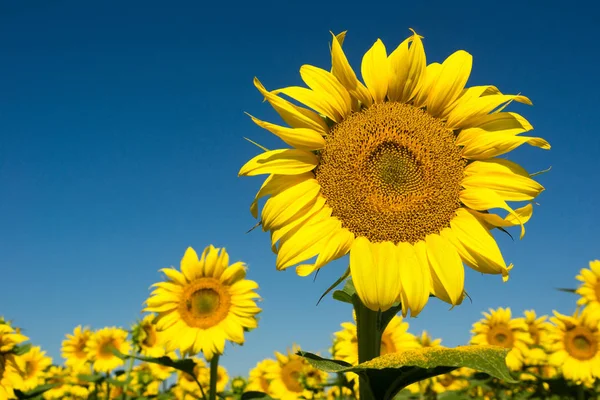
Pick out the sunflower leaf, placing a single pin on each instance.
(255, 395)
(20, 350)
(35, 392)
(185, 365)
(96, 378)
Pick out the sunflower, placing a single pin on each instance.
(395, 338)
(162, 372)
(32, 365)
(539, 329)
(575, 344)
(187, 382)
(59, 377)
(257, 378)
(222, 378)
(205, 304)
(292, 377)
(100, 348)
(452, 381)
(73, 347)
(400, 172)
(425, 340)
(500, 329)
(238, 384)
(10, 373)
(590, 286)
(146, 337)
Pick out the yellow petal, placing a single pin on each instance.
(300, 138)
(375, 71)
(317, 213)
(428, 79)
(234, 273)
(416, 280)
(450, 82)
(447, 271)
(407, 68)
(294, 116)
(281, 162)
(475, 244)
(375, 273)
(174, 275)
(189, 264)
(463, 115)
(482, 199)
(520, 216)
(342, 70)
(275, 184)
(336, 245)
(306, 243)
(317, 101)
(282, 207)
(327, 85)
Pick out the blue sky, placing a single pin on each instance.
(121, 128)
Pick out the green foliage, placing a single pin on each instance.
(37, 392)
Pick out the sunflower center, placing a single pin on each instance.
(581, 343)
(2, 365)
(204, 303)
(391, 173)
(535, 334)
(597, 290)
(446, 380)
(290, 375)
(80, 348)
(387, 345)
(501, 335)
(105, 350)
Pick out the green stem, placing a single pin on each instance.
(201, 388)
(369, 342)
(214, 366)
(127, 375)
(580, 392)
(107, 397)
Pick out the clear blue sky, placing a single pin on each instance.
(121, 128)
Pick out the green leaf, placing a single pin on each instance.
(185, 365)
(335, 284)
(119, 383)
(20, 350)
(35, 392)
(345, 295)
(566, 290)
(254, 395)
(96, 378)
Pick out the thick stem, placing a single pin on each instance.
(214, 366)
(369, 342)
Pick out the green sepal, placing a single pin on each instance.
(335, 284)
(35, 392)
(345, 295)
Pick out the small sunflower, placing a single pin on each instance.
(395, 338)
(222, 378)
(539, 330)
(292, 377)
(188, 383)
(162, 372)
(73, 347)
(204, 305)
(452, 381)
(590, 286)
(500, 329)
(60, 378)
(10, 373)
(147, 339)
(425, 340)
(100, 348)
(401, 172)
(575, 344)
(238, 384)
(257, 379)
(32, 365)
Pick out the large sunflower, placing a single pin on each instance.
(500, 329)
(32, 365)
(575, 345)
(10, 373)
(590, 286)
(73, 347)
(205, 304)
(401, 172)
(100, 347)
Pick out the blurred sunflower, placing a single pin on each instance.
(400, 172)
(257, 379)
(32, 365)
(539, 329)
(238, 384)
(100, 348)
(146, 338)
(73, 347)
(589, 290)
(59, 377)
(453, 381)
(425, 340)
(10, 374)
(292, 377)
(187, 382)
(500, 329)
(162, 372)
(575, 344)
(222, 378)
(205, 304)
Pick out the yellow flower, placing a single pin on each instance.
(32, 365)
(58, 376)
(455, 380)
(400, 173)
(205, 304)
(187, 382)
(292, 377)
(222, 378)
(575, 344)
(257, 379)
(161, 372)
(539, 330)
(395, 338)
(99, 348)
(590, 286)
(73, 348)
(499, 329)
(147, 339)
(427, 341)
(238, 384)
(10, 373)
(334, 393)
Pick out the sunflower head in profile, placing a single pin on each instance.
(101, 345)
(146, 337)
(539, 329)
(575, 345)
(498, 328)
(589, 290)
(205, 304)
(73, 347)
(402, 172)
(32, 366)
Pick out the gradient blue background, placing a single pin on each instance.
(121, 129)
